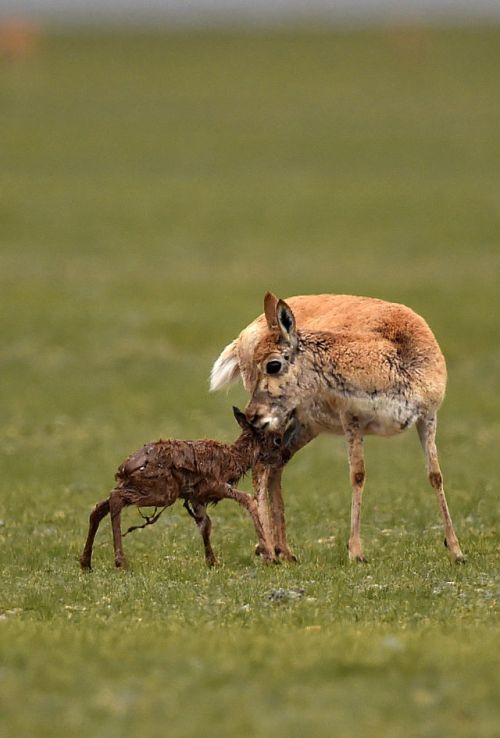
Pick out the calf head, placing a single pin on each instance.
(271, 447)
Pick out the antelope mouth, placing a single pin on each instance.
(273, 422)
(268, 423)
(264, 422)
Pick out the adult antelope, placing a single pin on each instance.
(338, 364)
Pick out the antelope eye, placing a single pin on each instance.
(277, 442)
(273, 367)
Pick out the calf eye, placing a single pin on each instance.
(273, 367)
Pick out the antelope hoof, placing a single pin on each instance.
(356, 554)
(269, 557)
(85, 564)
(286, 555)
(266, 555)
(211, 561)
(358, 557)
(456, 553)
(121, 563)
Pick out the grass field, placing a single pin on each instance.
(152, 188)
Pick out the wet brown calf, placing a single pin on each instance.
(198, 472)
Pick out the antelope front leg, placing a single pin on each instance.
(278, 511)
(260, 481)
(354, 440)
(250, 503)
(427, 433)
(299, 436)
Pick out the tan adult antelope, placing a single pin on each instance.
(339, 364)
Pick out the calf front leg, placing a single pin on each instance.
(250, 504)
(116, 503)
(97, 514)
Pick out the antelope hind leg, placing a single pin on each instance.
(426, 428)
(354, 440)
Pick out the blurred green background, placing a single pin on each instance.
(153, 186)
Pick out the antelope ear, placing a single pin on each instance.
(241, 418)
(286, 324)
(270, 303)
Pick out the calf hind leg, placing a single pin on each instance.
(97, 514)
(426, 428)
(198, 511)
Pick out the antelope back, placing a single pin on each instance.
(348, 348)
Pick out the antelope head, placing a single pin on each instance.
(281, 379)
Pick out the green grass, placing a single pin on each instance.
(152, 188)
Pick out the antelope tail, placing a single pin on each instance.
(226, 369)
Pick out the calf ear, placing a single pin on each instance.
(241, 418)
(270, 303)
(286, 324)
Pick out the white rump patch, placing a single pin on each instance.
(226, 369)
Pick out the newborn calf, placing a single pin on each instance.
(198, 472)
